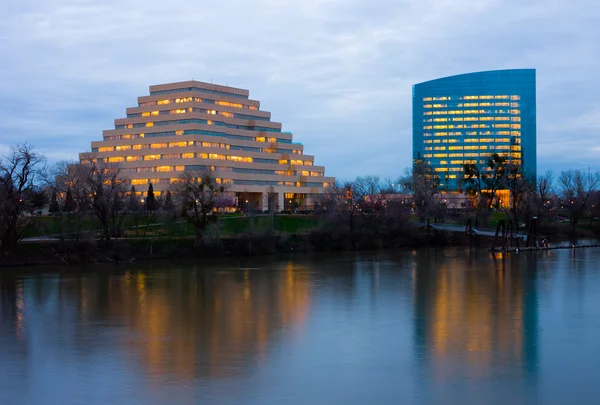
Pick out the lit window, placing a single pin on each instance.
(133, 158)
(152, 157)
(178, 144)
(163, 168)
(228, 104)
(136, 182)
(187, 155)
(117, 159)
(149, 124)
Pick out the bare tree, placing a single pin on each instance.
(342, 203)
(99, 188)
(423, 183)
(367, 191)
(520, 189)
(544, 195)
(198, 192)
(576, 188)
(19, 171)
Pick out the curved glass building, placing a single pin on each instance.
(466, 118)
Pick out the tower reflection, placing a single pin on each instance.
(474, 318)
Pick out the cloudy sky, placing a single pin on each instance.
(337, 73)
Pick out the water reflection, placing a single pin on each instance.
(431, 327)
(476, 320)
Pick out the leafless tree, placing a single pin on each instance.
(544, 195)
(99, 188)
(19, 171)
(521, 192)
(423, 183)
(576, 189)
(198, 193)
(341, 203)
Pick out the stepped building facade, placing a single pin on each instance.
(194, 126)
(466, 118)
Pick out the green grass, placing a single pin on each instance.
(163, 225)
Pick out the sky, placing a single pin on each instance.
(336, 73)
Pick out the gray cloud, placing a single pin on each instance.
(337, 73)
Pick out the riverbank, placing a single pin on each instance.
(287, 235)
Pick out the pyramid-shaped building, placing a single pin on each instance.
(194, 126)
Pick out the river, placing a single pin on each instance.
(444, 326)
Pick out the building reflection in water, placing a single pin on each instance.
(475, 319)
(168, 324)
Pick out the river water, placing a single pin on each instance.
(412, 327)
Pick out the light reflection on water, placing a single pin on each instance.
(431, 327)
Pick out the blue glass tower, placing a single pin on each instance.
(466, 118)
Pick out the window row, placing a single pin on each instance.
(195, 132)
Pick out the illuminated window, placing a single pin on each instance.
(441, 169)
(163, 168)
(152, 157)
(158, 145)
(161, 102)
(440, 155)
(296, 162)
(178, 133)
(187, 155)
(228, 104)
(427, 156)
(133, 158)
(137, 182)
(261, 139)
(216, 156)
(149, 124)
(146, 114)
(106, 149)
(117, 159)
(226, 114)
(123, 147)
(177, 144)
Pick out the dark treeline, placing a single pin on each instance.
(93, 209)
